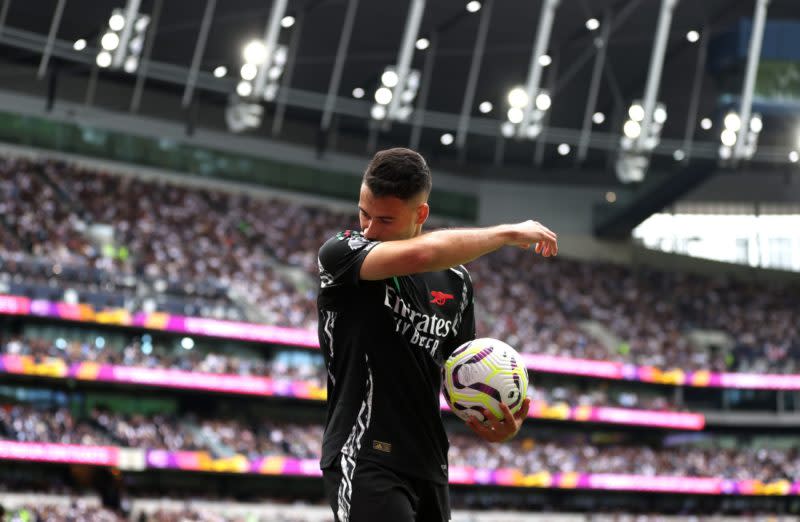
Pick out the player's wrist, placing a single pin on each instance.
(508, 234)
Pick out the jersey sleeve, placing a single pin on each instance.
(466, 320)
(340, 259)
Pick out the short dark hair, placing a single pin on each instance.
(398, 172)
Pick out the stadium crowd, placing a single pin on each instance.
(268, 438)
(76, 511)
(192, 243)
(136, 352)
(79, 511)
(27, 424)
(167, 432)
(308, 369)
(198, 515)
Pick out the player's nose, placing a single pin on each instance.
(371, 232)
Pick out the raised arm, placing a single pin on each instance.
(443, 249)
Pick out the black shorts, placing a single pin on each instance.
(365, 491)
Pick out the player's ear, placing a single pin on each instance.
(423, 210)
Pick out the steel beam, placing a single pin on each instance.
(753, 59)
(141, 73)
(425, 89)
(656, 68)
(594, 88)
(541, 42)
(199, 49)
(271, 33)
(338, 66)
(697, 86)
(286, 80)
(474, 71)
(51, 37)
(406, 53)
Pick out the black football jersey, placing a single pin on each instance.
(384, 344)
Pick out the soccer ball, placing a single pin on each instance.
(482, 373)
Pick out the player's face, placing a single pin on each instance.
(389, 218)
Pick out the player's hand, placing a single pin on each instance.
(500, 430)
(532, 232)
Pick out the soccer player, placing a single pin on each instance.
(394, 303)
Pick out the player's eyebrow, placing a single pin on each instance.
(377, 217)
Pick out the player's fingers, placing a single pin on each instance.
(522, 414)
(546, 233)
(479, 429)
(475, 429)
(493, 421)
(539, 247)
(482, 424)
(507, 415)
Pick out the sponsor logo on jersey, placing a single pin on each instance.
(423, 330)
(440, 298)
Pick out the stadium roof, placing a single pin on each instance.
(376, 38)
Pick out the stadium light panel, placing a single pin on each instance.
(255, 52)
(383, 95)
(543, 101)
(378, 112)
(116, 22)
(728, 137)
(389, 79)
(632, 129)
(636, 112)
(515, 115)
(517, 98)
(248, 71)
(733, 122)
(244, 89)
(103, 59)
(598, 118)
(110, 41)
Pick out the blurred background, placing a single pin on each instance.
(169, 169)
